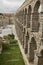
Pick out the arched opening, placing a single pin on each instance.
(23, 37)
(25, 13)
(35, 18)
(23, 16)
(33, 46)
(29, 16)
(22, 12)
(41, 52)
(20, 16)
(27, 36)
(26, 46)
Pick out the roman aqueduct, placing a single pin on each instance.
(29, 27)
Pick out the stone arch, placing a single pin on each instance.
(26, 45)
(36, 7)
(29, 16)
(29, 9)
(33, 46)
(25, 13)
(35, 17)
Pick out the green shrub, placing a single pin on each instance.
(5, 46)
(6, 42)
(13, 41)
(12, 36)
(10, 39)
(9, 36)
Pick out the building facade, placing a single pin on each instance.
(6, 19)
(29, 28)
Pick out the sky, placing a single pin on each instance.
(10, 6)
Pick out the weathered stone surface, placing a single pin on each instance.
(33, 21)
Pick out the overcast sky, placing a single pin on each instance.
(7, 6)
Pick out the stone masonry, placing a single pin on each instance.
(29, 28)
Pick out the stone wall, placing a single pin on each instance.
(29, 27)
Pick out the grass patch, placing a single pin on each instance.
(14, 54)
